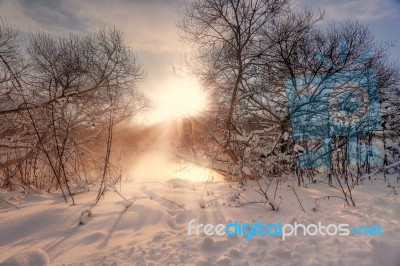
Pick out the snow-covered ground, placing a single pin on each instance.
(154, 229)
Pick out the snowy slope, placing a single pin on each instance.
(153, 230)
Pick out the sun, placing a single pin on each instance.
(186, 101)
(175, 99)
(183, 98)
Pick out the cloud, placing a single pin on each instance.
(47, 15)
(52, 14)
(362, 10)
(148, 24)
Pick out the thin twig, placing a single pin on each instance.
(298, 198)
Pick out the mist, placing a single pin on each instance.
(146, 153)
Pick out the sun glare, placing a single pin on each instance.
(192, 172)
(176, 99)
(187, 101)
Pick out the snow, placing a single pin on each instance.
(298, 148)
(28, 258)
(153, 230)
(285, 136)
(246, 170)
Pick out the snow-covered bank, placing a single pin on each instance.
(154, 229)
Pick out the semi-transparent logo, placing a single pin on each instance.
(341, 104)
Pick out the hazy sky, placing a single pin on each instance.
(149, 26)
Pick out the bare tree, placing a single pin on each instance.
(233, 39)
(247, 52)
(60, 95)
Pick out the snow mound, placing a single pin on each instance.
(35, 257)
